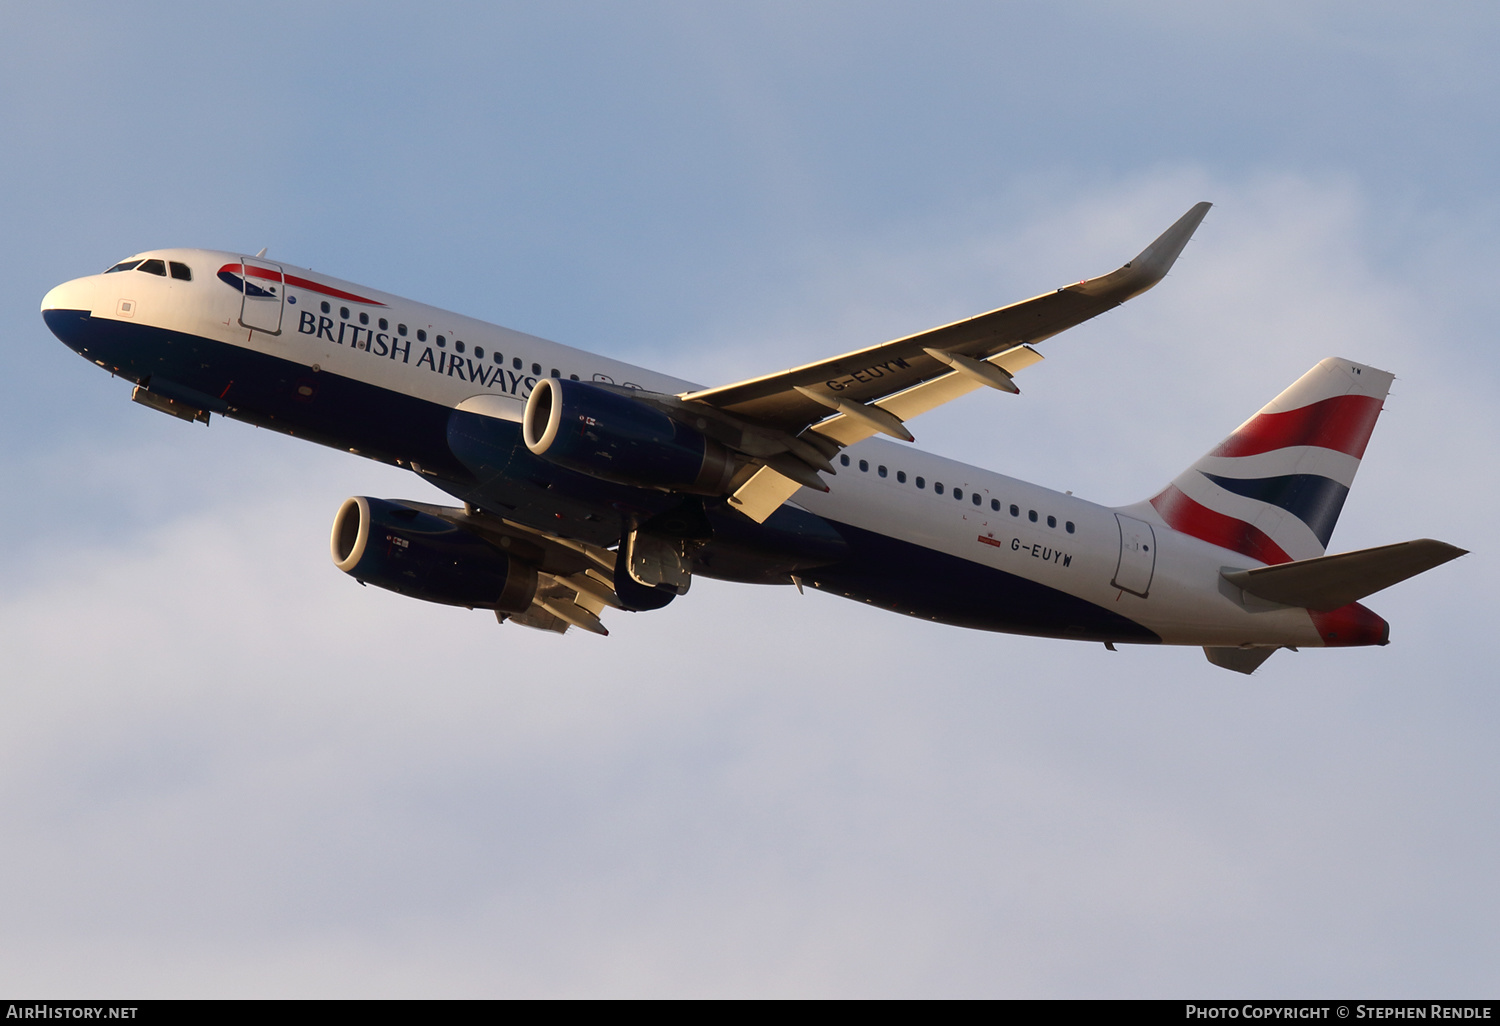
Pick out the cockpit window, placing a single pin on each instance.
(124, 265)
(158, 267)
(182, 272)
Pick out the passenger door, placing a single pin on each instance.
(1137, 556)
(265, 292)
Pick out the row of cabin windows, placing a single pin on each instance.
(441, 340)
(958, 494)
(182, 272)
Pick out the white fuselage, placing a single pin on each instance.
(1056, 540)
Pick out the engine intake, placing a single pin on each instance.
(616, 438)
(422, 556)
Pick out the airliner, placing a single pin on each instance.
(589, 485)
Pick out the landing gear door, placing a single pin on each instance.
(1137, 556)
(265, 292)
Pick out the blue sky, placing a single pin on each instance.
(227, 770)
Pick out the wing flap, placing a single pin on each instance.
(767, 489)
(928, 395)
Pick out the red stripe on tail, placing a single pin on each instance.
(1342, 423)
(1183, 514)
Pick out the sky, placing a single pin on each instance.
(226, 770)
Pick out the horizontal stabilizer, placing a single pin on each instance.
(1332, 582)
(1240, 660)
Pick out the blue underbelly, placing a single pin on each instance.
(916, 581)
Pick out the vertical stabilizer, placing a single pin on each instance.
(1273, 490)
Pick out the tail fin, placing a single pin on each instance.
(1273, 490)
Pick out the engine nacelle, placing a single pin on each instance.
(422, 556)
(616, 438)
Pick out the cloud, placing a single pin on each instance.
(227, 769)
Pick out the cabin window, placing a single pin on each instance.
(364, 318)
(182, 272)
(499, 357)
(1051, 521)
(442, 342)
(536, 369)
(1031, 515)
(572, 377)
(864, 465)
(995, 505)
(156, 267)
(384, 324)
(880, 471)
(976, 498)
(400, 328)
(1069, 526)
(937, 486)
(124, 265)
(344, 312)
(478, 351)
(325, 308)
(1015, 510)
(901, 476)
(421, 334)
(844, 460)
(556, 373)
(516, 362)
(459, 347)
(921, 482)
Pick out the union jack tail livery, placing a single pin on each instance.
(1273, 489)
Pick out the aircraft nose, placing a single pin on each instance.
(70, 295)
(68, 311)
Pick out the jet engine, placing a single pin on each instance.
(417, 554)
(616, 438)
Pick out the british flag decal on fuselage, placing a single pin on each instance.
(237, 276)
(1273, 489)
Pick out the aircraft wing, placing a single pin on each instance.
(573, 577)
(853, 396)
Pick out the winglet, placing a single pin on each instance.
(1151, 264)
